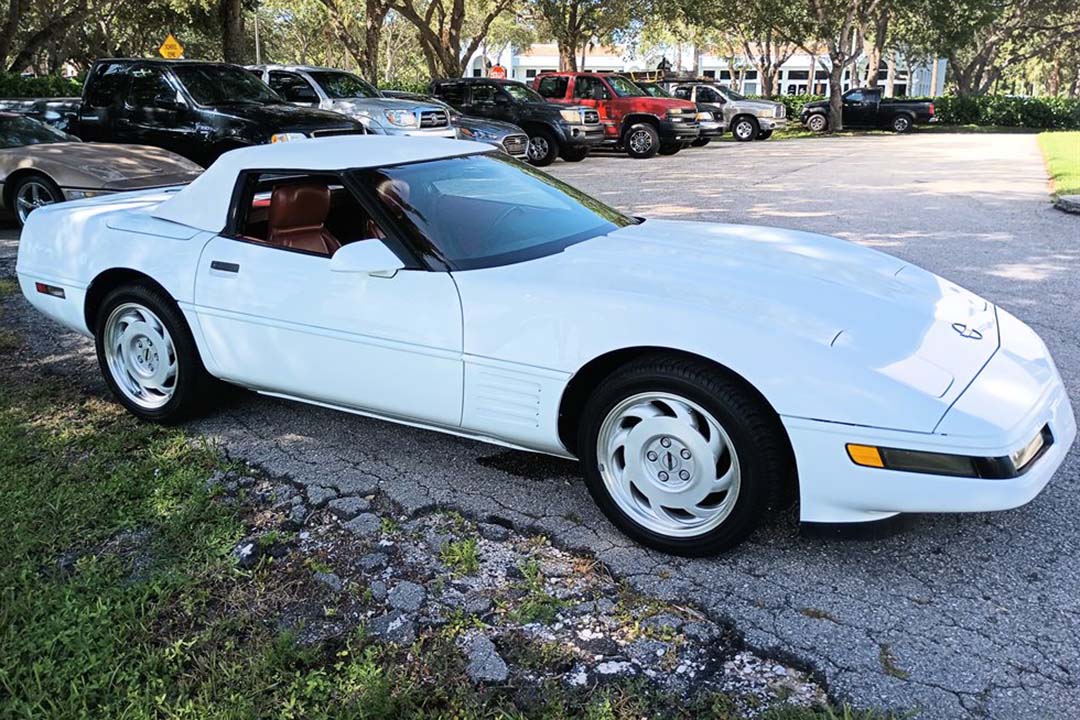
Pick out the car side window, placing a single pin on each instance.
(292, 87)
(854, 96)
(308, 212)
(484, 93)
(590, 88)
(149, 88)
(707, 94)
(108, 85)
(553, 86)
(683, 93)
(452, 93)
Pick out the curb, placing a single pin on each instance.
(1068, 203)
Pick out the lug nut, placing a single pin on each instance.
(684, 475)
(666, 442)
(685, 454)
(651, 455)
(663, 476)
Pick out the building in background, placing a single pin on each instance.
(896, 77)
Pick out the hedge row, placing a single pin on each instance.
(17, 86)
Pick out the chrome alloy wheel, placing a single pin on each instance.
(640, 141)
(816, 123)
(668, 464)
(538, 147)
(901, 124)
(141, 355)
(744, 130)
(32, 195)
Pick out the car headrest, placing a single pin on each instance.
(297, 206)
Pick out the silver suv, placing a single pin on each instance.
(351, 95)
(746, 119)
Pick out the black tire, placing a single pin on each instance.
(642, 141)
(765, 459)
(543, 147)
(701, 142)
(818, 122)
(194, 387)
(671, 149)
(48, 191)
(902, 124)
(764, 135)
(745, 128)
(574, 154)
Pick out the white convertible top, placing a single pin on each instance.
(204, 204)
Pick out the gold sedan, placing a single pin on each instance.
(40, 165)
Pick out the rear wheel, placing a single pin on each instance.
(764, 134)
(575, 154)
(701, 142)
(671, 149)
(148, 356)
(679, 456)
(543, 147)
(901, 124)
(642, 141)
(745, 128)
(32, 192)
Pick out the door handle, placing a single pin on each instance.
(224, 266)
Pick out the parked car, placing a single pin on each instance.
(711, 123)
(866, 108)
(695, 369)
(746, 119)
(506, 136)
(554, 130)
(351, 95)
(633, 120)
(58, 112)
(195, 109)
(40, 165)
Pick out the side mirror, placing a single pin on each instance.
(366, 256)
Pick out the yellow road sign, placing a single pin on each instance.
(171, 49)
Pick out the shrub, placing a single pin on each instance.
(417, 87)
(17, 86)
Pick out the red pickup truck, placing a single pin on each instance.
(633, 120)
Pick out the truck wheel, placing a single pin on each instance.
(543, 147)
(670, 149)
(148, 356)
(576, 154)
(642, 141)
(32, 192)
(901, 123)
(817, 123)
(745, 128)
(764, 135)
(701, 142)
(679, 456)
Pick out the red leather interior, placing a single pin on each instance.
(297, 217)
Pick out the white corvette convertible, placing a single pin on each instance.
(697, 370)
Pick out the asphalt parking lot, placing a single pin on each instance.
(969, 616)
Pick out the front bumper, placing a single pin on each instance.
(581, 135)
(1016, 394)
(767, 123)
(443, 132)
(678, 132)
(711, 129)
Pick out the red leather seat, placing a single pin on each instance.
(297, 217)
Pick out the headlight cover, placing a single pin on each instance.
(401, 118)
(470, 134)
(287, 137)
(571, 116)
(704, 116)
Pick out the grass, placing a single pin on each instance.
(120, 597)
(461, 556)
(1062, 153)
(537, 605)
(796, 131)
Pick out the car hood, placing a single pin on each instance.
(352, 105)
(284, 117)
(755, 104)
(814, 316)
(103, 165)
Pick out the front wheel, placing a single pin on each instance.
(817, 123)
(764, 134)
(679, 456)
(543, 147)
(32, 192)
(745, 128)
(148, 356)
(642, 141)
(574, 154)
(901, 124)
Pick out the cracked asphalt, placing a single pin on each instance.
(962, 616)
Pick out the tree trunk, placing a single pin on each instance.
(54, 29)
(890, 76)
(874, 54)
(567, 56)
(374, 16)
(232, 31)
(16, 8)
(934, 77)
(836, 96)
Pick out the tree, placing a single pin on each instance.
(448, 35)
(232, 30)
(838, 25)
(573, 23)
(367, 54)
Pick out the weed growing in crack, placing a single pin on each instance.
(461, 556)
(538, 605)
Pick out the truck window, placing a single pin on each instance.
(107, 85)
(854, 96)
(292, 87)
(707, 94)
(484, 93)
(590, 88)
(148, 85)
(553, 86)
(683, 93)
(453, 93)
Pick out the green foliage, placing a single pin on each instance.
(17, 86)
(538, 605)
(1062, 153)
(1052, 113)
(419, 87)
(461, 556)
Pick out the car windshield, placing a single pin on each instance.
(486, 210)
(521, 93)
(340, 85)
(224, 85)
(655, 91)
(729, 93)
(623, 87)
(17, 131)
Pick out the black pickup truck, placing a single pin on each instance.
(553, 130)
(865, 108)
(195, 109)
